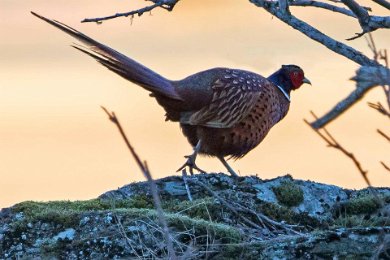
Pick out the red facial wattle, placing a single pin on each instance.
(296, 79)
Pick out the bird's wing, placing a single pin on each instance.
(234, 96)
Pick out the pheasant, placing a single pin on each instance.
(223, 112)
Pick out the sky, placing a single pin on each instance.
(57, 144)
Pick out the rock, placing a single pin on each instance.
(175, 188)
(228, 218)
(66, 234)
(318, 199)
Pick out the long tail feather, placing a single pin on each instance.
(117, 62)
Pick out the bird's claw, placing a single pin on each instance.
(190, 163)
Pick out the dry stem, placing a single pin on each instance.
(385, 166)
(380, 108)
(236, 210)
(383, 134)
(332, 142)
(153, 187)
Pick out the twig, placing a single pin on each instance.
(153, 187)
(366, 78)
(332, 142)
(383, 3)
(165, 4)
(340, 107)
(316, 35)
(381, 55)
(383, 134)
(223, 202)
(362, 15)
(380, 108)
(330, 7)
(184, 175)
(371, 44)
(123, 233)
(269, 222)
(385, 166)
(335, 46)
(262, 218)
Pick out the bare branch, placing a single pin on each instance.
(223, 202)
(340, 108)
(366, 78)
(371, 44)
(153, 187)
(283, 7)
(333, 8)
(383, 3)
(369, 75)
(385, 166)
(367, 22)
(165, 4)
(184, 175)
(361, 14)
(380, 108)
(383, 134)
(316, 35)
(262, 218)
(332, 142)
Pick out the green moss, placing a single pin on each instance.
(205, 208)
(288, 193)
(361, 221)
(361, 205)
(182, 224)
(282, 213)
(66, 213)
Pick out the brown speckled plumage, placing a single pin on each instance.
(243, 109)
(222, 112)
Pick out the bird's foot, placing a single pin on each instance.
(190, 163)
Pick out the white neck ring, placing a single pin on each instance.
(287, 96)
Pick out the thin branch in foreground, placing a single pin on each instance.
(366, 78)
(371, 66)
(224, 203)
(383, 3)
(264, 220)
(361, 14)
(385, 166)
(332, 142)
(371, 44)
(383, 134)
(380, 108)
(184, 175)
(165, 4)
(316, 35)
(153, 187)
(330, 7)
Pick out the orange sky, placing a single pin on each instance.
(56, 143)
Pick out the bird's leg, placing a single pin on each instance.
(191, 160)
(227, 166)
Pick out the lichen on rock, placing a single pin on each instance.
(243, 217)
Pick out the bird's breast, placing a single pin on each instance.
(238, 140)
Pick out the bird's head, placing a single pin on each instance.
(289, 77)
(293, 76)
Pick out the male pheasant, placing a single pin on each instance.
(222, 112)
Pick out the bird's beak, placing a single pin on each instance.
(305, 80)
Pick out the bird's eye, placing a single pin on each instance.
(295, 74)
